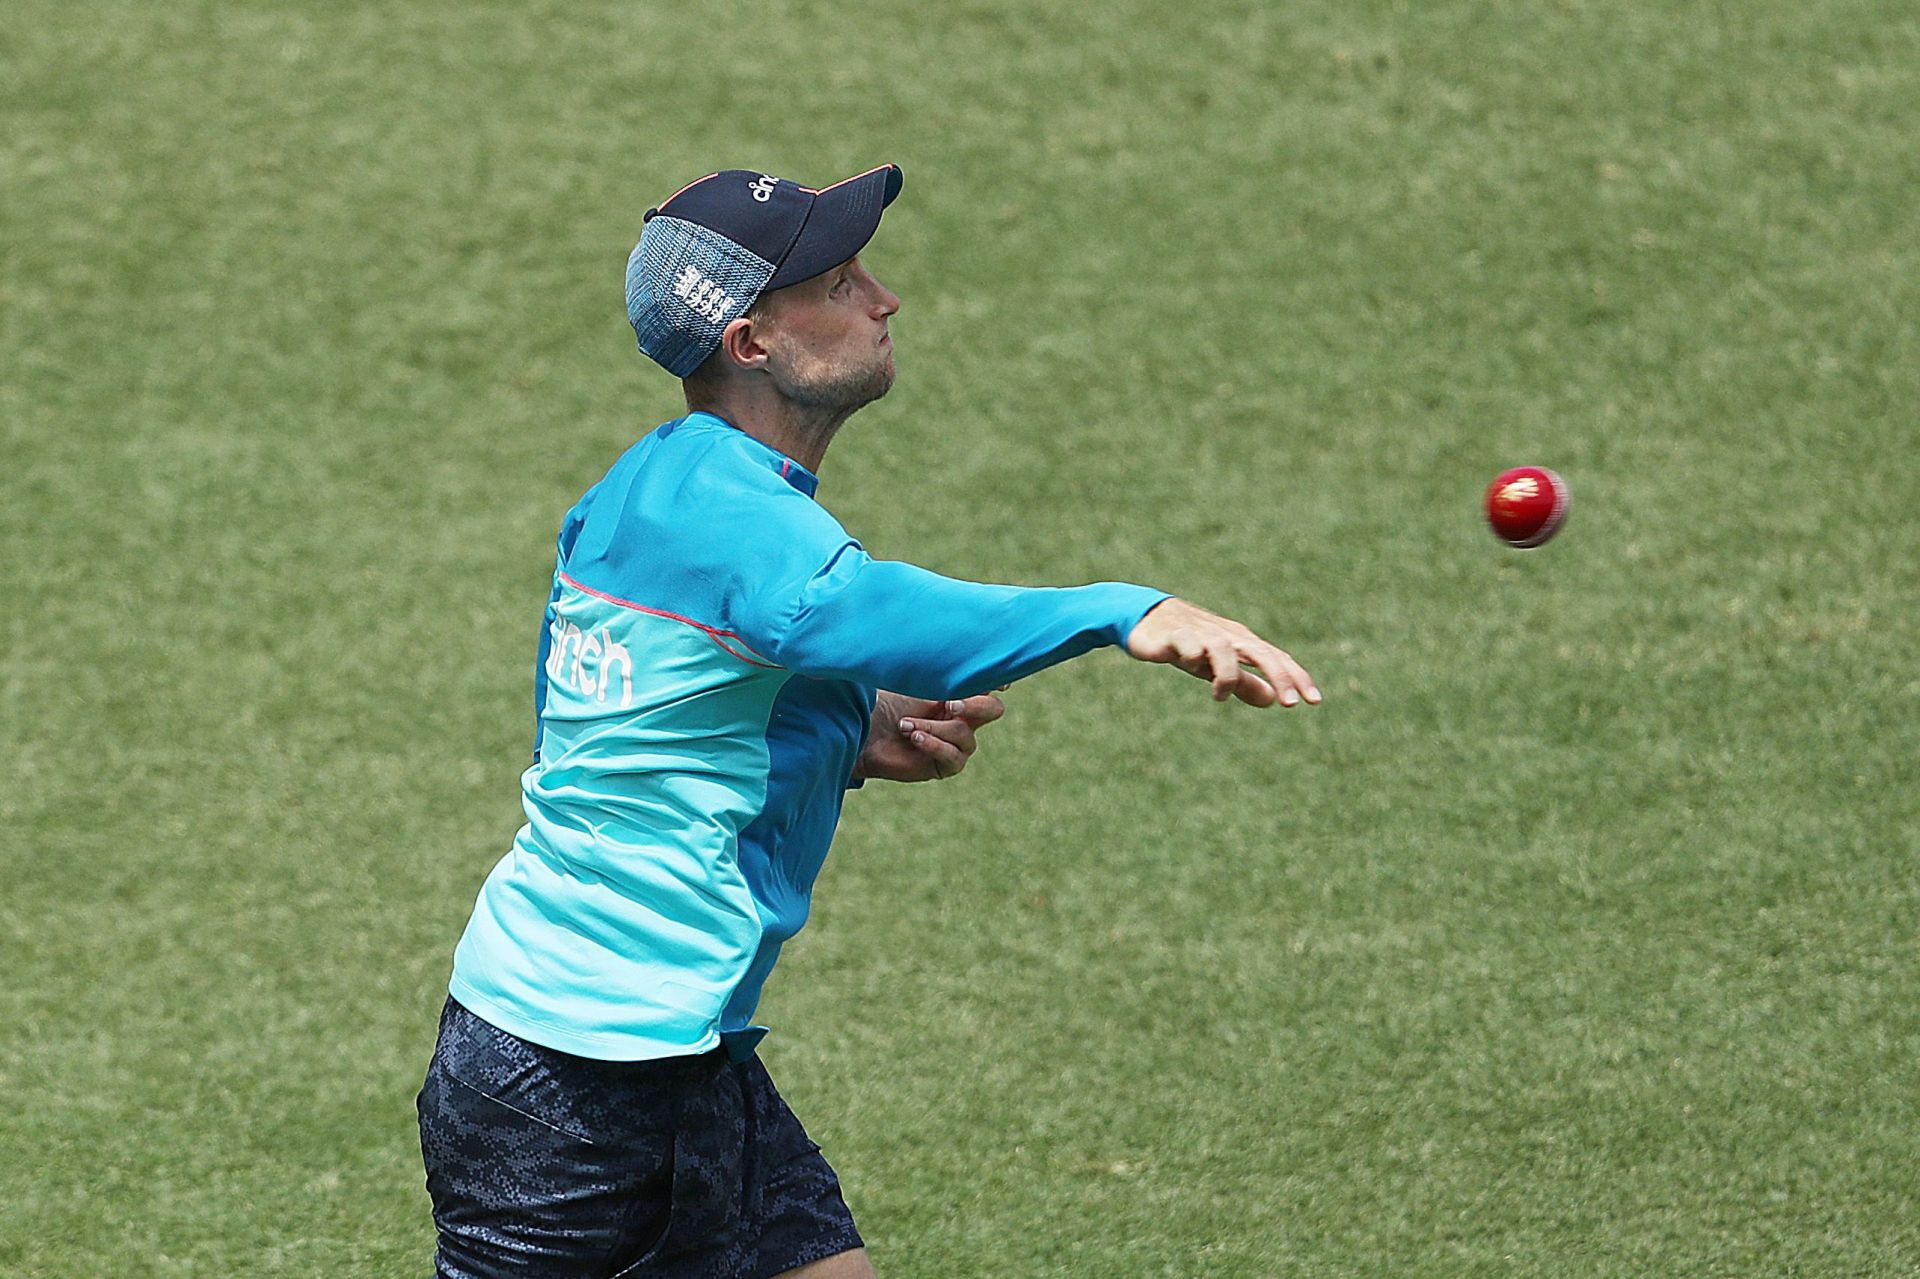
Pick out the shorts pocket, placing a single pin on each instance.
(648, 1225)
(702, 1195)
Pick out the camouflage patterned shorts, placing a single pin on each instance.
(545, 1164)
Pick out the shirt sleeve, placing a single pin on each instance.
(894, 625)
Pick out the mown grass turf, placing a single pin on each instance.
(1574, 934)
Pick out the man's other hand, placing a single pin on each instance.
(913, 740)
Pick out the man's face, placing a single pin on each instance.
(827, 341)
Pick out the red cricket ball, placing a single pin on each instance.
(1526, 505)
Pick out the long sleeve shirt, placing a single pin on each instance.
(705, 679)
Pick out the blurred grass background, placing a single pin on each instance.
(1574, 934)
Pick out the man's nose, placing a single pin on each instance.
(886, 302)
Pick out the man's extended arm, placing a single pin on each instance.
(896, 626)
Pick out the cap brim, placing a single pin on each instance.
(843, 218)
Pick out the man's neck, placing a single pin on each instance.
(800, 432)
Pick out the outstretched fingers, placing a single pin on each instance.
(1233, 660)
(1287, 677)
(1224, 659)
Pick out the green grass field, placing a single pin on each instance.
(1574, 935)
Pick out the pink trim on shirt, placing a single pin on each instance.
(717, 636)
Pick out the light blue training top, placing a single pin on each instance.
(706, 675)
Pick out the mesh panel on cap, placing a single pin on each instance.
(685, 282)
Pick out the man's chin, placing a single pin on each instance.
(873, 387)
(846, 393)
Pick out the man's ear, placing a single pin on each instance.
(740, 340)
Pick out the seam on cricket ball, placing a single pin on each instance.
(1562, 499)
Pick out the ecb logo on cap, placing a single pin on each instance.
(702, 294)
(763, 188)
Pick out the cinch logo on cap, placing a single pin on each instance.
(764, 188)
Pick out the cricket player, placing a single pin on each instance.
(720, 662)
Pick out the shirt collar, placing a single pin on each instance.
(774, 460)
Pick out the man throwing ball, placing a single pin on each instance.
(720, 663)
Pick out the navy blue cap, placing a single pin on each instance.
(713, 247)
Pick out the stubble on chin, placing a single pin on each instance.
(839, 390)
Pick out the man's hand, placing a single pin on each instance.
(1220, 649)
(917, 741)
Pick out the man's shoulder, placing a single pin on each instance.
(692, 498)
(699, 451)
